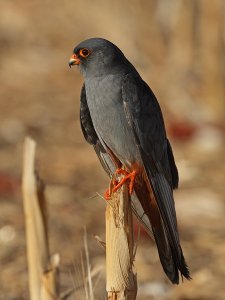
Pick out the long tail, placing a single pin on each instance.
(157, 206)
(156, 199)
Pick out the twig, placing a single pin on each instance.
(91, 294)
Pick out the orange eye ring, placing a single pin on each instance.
(84, 52)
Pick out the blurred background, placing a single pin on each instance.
(178, 47)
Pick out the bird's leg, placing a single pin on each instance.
(127, 176)
(115, 185)
(108, 192)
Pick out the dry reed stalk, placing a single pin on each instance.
(43, 272)
(90, 286)
(121, 282)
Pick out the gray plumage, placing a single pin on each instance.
(122, 119)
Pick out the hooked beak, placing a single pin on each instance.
(74, 60)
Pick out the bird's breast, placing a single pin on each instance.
(105, 103)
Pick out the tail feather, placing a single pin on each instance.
(164, 250)
(165, 202)
(165, 254)
(162, 217)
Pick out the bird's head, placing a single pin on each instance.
(97, 56)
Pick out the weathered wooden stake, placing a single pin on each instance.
(43, 271)
(121, 281)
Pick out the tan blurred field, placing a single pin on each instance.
(178, 47)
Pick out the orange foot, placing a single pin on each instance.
(115, 185)
(108, 192)
(127, 176)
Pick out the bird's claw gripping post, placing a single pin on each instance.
(127, 176)
(115, 185)
(108, 192)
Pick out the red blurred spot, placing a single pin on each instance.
(8, 184)
(182, 130)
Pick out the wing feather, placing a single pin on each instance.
(146, 122)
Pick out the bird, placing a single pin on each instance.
(122, 119)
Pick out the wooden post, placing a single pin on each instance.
(121, 282)
(43, 272)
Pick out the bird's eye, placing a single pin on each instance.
(84, 52)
